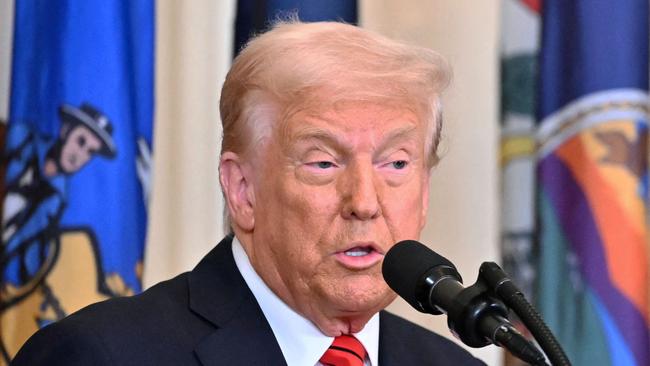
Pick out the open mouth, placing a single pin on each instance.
(359, 251)
(360, 256)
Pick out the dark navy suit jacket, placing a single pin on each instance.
(204, 317)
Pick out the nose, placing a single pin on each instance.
(360, 193)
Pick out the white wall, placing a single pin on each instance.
(463, 213)
(193, 55)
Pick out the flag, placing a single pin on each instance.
(78, 153)
(254, 16)
(593, 180)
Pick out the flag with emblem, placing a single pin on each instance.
(592, 179)
(77, 158)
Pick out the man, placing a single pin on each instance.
(330, 133)
(37, 170)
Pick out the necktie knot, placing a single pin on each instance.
(346, 350)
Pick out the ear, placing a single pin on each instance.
(236, 182)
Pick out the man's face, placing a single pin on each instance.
(334, 191)
(78, 148)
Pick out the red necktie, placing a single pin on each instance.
(344, 351)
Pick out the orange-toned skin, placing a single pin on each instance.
(322, 184)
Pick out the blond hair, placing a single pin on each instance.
(297, 66)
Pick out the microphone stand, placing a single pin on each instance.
(478, 317)
(497, 280)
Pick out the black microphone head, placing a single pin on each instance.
(405, 267)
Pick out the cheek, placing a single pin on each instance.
(307, 203)
(73, 151)
(83, 159)
(296, 214)
(307, 222)
(85, 156)
(403, 210)
(309, 216)
(66, 154)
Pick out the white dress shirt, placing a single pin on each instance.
(301, 342)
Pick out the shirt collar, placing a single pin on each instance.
(301, 342)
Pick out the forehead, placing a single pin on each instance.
(360, 119)
(81, 130)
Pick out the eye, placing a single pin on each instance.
(399, 164)
(324, 164)
(81, 141)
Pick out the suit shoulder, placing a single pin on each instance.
(64, 343)
(121, 330)
(163, 298)
(424, 345)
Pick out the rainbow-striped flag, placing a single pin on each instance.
(593, 179)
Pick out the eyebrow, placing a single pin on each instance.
(317, 133)
(402, 133)
(329, 138)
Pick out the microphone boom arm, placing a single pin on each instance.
(474, 315)
(478, 314)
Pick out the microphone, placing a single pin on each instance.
(431, 284)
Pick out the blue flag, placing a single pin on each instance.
(78, 155)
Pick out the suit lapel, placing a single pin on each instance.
(393, 351)
(219, 294)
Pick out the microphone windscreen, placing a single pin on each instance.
(404, 266)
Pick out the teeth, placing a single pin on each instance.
(357, 252)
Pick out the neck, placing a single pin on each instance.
(334, 326)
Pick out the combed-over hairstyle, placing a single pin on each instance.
(314, 66)
(296, 66)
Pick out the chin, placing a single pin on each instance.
(349, 307)
(67, 169)
(358, 313)
(363, 300)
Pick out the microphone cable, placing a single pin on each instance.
(506, 290)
